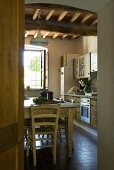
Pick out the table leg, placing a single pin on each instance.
(70, 132)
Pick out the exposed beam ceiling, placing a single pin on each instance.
(57, 21)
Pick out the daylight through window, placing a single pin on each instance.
(35, 69)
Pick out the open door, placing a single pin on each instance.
(11, 84)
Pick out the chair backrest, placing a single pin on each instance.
(45, 115)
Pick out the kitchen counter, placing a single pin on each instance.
(80, 101)
(80, 95)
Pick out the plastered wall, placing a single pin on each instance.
(57, 48)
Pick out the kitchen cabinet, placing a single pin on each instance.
(93, 108)
(83, 66)
(93, 104)
(94, 61)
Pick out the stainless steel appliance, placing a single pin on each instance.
(85, 110)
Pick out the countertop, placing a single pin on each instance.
(28, 103)
(80, 95)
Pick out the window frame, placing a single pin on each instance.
(46, 70)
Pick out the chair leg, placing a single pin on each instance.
(54, 153)
(28, 142)
(59, 134)
(27, 154)
(34, 153)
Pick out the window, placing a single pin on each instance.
(35, 68)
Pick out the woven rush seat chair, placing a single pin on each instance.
(44, 129)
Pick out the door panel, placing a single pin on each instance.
(11, 84)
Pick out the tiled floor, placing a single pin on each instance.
(84, 155)
(89, 129)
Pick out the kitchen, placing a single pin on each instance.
(84, 90)
(66, 47)
(73, 49)
(54, 84)
(105, 68)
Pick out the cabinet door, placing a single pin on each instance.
(94, 112)
(81, 67)
(94, 61)
(84, 66)
(87, 65)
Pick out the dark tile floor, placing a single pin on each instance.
(84, 155)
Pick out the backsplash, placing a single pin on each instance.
(94, 81)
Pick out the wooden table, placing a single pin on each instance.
(66, 110)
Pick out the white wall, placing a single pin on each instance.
(105, 114)
(57, 48)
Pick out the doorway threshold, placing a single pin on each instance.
(88, 129)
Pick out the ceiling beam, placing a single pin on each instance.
(56, 7)
(26, 34)
(62, 27)
(86, 17)
(55, 35)
(36, 34)
(64, 36)
(36, 13)
(45, 35)
(75, 16)
(50, 14)
(75, 36)
(62, 15)
(94, 22)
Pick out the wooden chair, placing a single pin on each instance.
(27, 125)
(44, 129)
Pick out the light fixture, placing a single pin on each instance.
(39, 40)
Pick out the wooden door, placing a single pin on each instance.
(11, 84)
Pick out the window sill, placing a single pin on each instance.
(33, 90)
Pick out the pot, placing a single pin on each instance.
(47, 94)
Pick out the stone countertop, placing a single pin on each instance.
(80, 95)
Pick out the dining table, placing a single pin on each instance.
(66, 110)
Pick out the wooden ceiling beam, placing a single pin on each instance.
(55, 35)
(50, 14)
(26, 34)
(62, 27)
(45, 35)
(86, 17)
(62, 15)
(64, 36)
(36, 34)
(36, 13)
(75, 16)
(56, 7)
(75, 36)
(94, 22)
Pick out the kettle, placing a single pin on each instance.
(47, 94)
